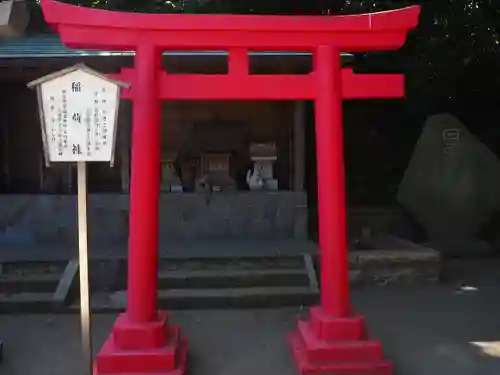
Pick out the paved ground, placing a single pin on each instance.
(425, 331)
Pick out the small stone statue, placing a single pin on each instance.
(170, 180)
(263, 156)
(254, 179)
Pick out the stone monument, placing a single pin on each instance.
(451, 186)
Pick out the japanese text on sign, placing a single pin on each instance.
(79, 112)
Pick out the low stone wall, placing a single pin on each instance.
(388, 260)
(51, 219)
(382, 219)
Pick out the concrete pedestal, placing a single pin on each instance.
(152, 348)
(325, 345)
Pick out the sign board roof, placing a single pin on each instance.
(71, 69)
(78, 112)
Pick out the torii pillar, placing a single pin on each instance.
(333, 340)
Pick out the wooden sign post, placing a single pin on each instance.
(78, 114)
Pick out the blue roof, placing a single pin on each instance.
(50, 46)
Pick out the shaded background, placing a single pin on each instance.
(451, 63)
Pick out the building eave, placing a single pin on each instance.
(50, 46)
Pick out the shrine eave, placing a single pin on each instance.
(46, 46)
(82, 27)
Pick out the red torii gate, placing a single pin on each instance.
(334, 338)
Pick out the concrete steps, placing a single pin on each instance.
(188, 284)
(225, 283)
(216, 298)
(215, 282)
(37, 287)
(205, 279)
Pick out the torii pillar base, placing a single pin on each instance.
(141, 349)
(336, 346)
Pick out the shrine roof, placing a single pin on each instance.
(50, 46)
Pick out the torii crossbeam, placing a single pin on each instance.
(333, 340)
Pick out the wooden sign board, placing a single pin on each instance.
(78, 113)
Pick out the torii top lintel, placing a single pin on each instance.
(82, 27)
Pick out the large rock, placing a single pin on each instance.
(452, 185)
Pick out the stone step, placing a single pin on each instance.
(224, 278)
(202, 283)
(273, 296)
(26, 302)
(29, 283)
(28, 291)
(233, 263)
